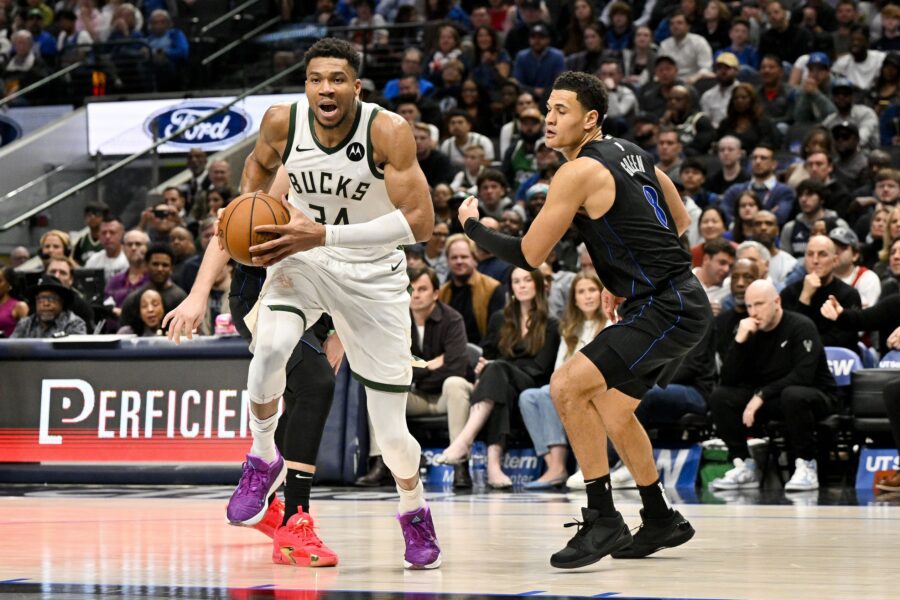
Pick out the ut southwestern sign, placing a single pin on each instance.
(119, 128)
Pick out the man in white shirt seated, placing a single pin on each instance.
(112, 260)
(692, 53)
(843, 93)
(847, 270)
(473, 166)
(714, 101)
(459, 125)
(765, 232)
(622, 99)
(862, 65)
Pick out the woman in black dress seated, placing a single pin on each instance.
(519, 353)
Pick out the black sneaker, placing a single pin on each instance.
(596, 538)
(657, 534)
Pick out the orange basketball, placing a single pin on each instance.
(242, 216)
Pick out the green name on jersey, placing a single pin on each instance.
(328, 184)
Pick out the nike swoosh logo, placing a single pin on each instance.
(784, 343)
(394, 267)
(299, 149)
(286, 552)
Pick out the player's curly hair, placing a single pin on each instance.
(589, 91)
(334, 48)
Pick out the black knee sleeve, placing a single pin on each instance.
(307, 402)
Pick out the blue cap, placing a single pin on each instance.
(818, 58)
(538, 188)
(842, 83)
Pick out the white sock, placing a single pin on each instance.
(263, 431)
(411, 500)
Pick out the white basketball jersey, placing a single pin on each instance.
(340, 185)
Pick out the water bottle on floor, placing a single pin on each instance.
(478, 461)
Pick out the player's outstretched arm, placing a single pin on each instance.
(567, 194)
(674, 202)
(187, 316)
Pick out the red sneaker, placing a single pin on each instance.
(272, 519)
(297, 544)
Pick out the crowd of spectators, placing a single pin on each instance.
(119, 279)
(778, 121)
(121, 47)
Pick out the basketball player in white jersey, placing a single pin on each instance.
(356, 193)
(307, 400)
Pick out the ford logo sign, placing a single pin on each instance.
(221, 131)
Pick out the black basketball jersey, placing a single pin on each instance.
(635, 245)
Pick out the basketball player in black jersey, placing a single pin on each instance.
(630, 216)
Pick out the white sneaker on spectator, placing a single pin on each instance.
(620, 477)
(576, 481)
(805, 477)
(745, 474)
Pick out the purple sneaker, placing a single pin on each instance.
(259, 480)
(422, 550)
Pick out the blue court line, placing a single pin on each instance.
(618, 597)
(696, 517)
(532, 593)
(19, 580)
(324, 593)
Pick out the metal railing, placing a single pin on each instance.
(240, 41)
(380, 63)
(39, 84)
(248, 57)
(37, 180)
(101, 57)
(238, 10)
(137, 155)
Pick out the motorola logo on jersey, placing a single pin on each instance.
(356, 152)
(220, 131)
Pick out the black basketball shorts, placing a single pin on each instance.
(653, 336)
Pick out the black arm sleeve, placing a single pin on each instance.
(505, 247)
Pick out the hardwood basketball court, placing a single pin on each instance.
(86, 541)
